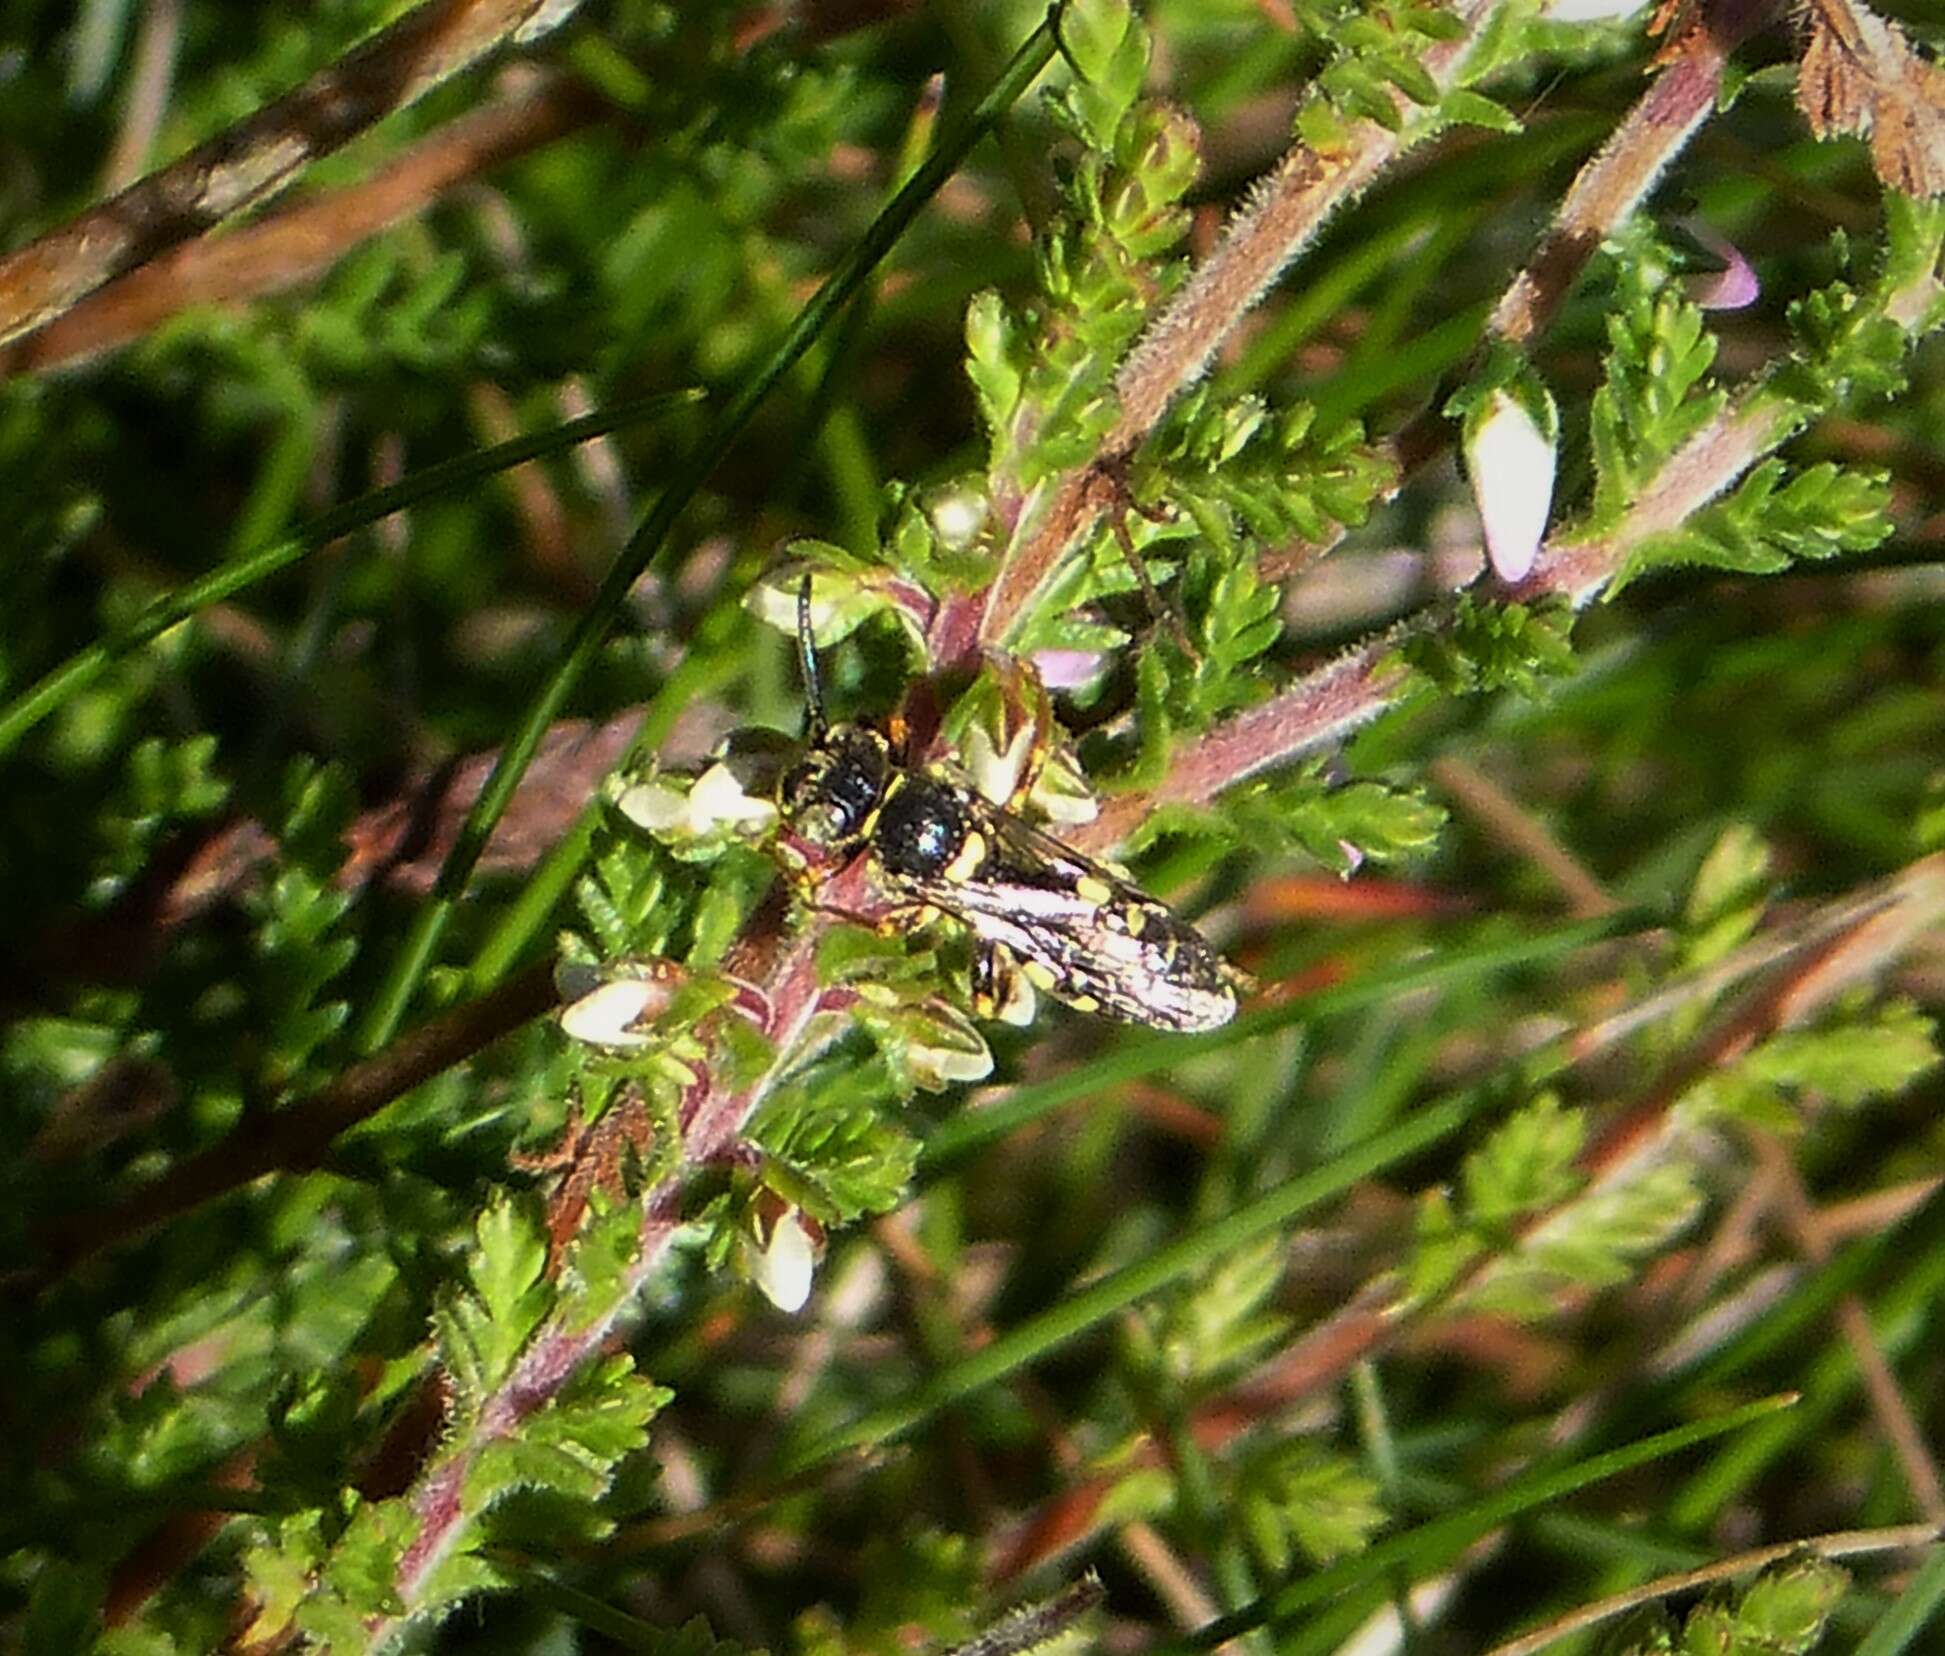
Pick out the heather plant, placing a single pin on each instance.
(1442, 493)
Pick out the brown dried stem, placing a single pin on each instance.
(1894, 1417)
(1841, 1544)
(149, 81)
(300, 1135)
(258, 156)
(304, 240)
(1522, 831)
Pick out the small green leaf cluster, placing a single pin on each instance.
(1488, 646)
(1523, 1227)
(164, 786)
(1847, 348)
(1249, 475)
(923, 1578)
(331, 1573)
(300, 931)
(1728, 897)
(1657, 391)
(924, 1041)
(1237, 478)
(831, 1149)
(1379, 49)
(1783, 1612)
(1306, 811)
(1768, 523)
(1210, 1330)
(1044, 377)
(1859, 1054)
(1298, 1499)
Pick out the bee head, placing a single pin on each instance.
(828, 797)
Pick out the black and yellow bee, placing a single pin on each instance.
(1074, 929)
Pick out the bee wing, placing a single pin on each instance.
(1083, 934)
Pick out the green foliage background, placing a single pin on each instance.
(1106, 1313)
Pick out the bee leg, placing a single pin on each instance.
(1000, 988)
(1037, 750)
(901, 917)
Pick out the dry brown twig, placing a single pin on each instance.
(149, 80)
(1860, 74)
(304, 240)
(1841, 1544)
(253, 160)
(1905, 1436)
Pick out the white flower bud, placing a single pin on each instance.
(714, 803)
(782, 1266)
(1509, 460)
(1061, 794)
(994, 773)
(958, 514)
(941, 1048)
(608, 1016)
(936, 1068)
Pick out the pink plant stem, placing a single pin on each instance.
(1320, 708)
(1616, 181)
(1285, 213)
(1369, 678)
(1606, 191)
(713, 1121)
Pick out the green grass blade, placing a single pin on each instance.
(1431, 1546)
(650, 540)
(248, 568)
(1913, 1612)
(1076, 1315)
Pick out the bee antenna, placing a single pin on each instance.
(807, 657)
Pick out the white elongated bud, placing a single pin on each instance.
(783, 1265)
(1509, 461)
(613, 1014)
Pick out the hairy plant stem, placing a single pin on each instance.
(1603, 195)
(650, 542)
(1287, 209)
(1371, 677)
(713, 1119)
(1616, 181)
